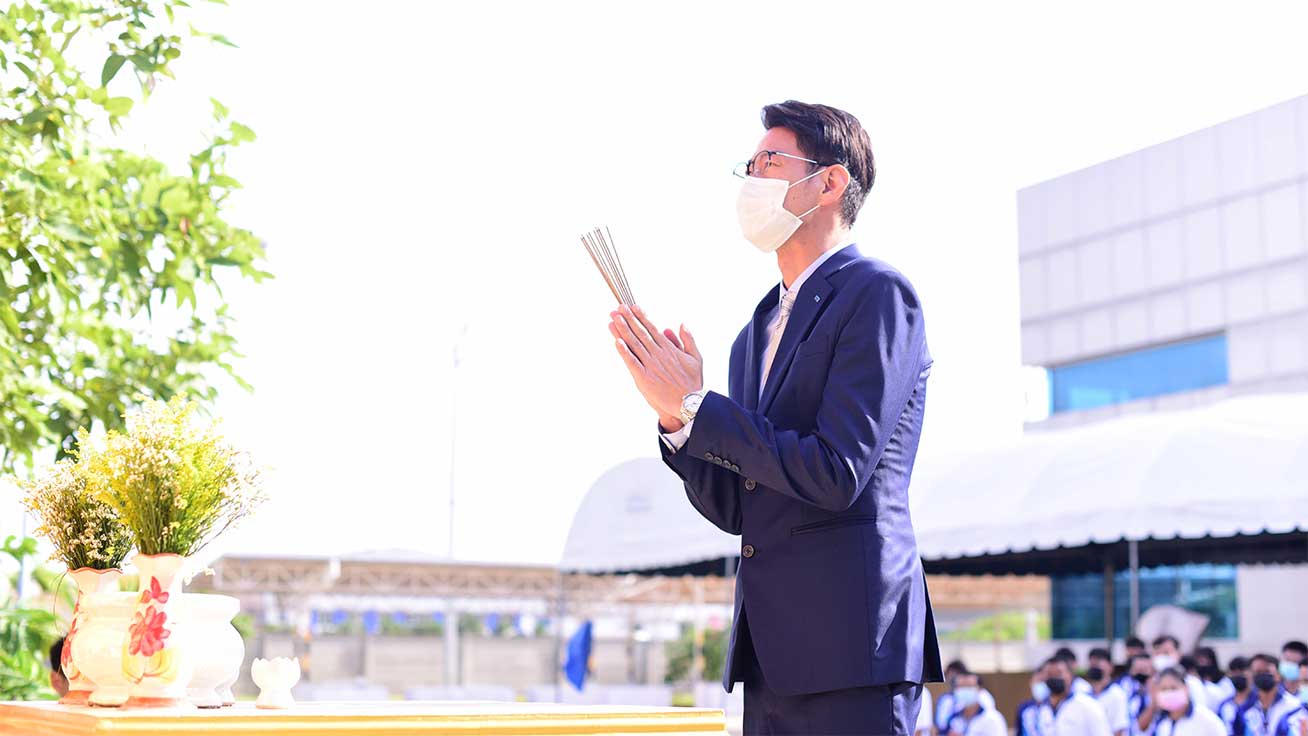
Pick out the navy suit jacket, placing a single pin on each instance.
(814, 475)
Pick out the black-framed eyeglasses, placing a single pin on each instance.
(763, 159)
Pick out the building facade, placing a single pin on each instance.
(1166, 278)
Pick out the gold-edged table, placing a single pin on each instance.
(402, 717)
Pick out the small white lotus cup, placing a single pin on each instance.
(275, 678)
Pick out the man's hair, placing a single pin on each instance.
(1265, 659)
(957, 665)
(829, 136)
(57, 654)
(1100, 653)
(1137, 657)
(1297, 647)
(1207, 653)
(1176, 673)
(1238, 663)
(1135, 642)
(1065, 654)
(1166, 638)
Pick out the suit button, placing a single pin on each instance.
(708, 456)
(717, 461)
(735, 468)
(747, 551)
(750, 484)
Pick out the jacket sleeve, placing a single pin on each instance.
(712, 490)
(878, 357)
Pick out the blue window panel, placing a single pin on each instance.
(1169, 369)
(1077, 601)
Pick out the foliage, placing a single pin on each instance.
(173, 480)
(681, 653)
(26, 635)
(94, 239)
(84, 530)
(1007, 626)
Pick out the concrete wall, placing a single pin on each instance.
(1203, 234)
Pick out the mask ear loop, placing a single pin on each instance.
(801, 181)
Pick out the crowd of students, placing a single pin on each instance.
(1157, 691)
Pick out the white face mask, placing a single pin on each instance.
(764, 219)
(1164, 661)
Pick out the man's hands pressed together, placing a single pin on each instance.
(664, 366)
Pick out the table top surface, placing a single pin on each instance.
(373, 717)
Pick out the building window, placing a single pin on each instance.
(1183, 366)
(1077, 601)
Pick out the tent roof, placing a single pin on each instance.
(636, 517)
(1225, 482)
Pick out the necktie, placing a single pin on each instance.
(774, 339)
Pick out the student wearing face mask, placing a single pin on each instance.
(1069, 713)
(1026, 721)
(1134, 646)
(1139, 704)
(809, 453)
(1167, 654)
(974, 718)
(1273, 711)
(1108, 693)
(1231, 710)
(1293, 654)
(1178, 715)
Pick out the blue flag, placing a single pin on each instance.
(578, 663)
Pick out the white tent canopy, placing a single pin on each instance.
(1237, 467)
(637, 517)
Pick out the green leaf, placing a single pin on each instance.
(241, 134)
(118, 106)
(220, 110)
(111, 67)
(223, 180)
(99, 96)
(68, 231)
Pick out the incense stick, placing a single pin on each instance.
(604, 254)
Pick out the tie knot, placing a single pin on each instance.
(787, 303)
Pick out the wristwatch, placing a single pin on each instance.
(690, 405)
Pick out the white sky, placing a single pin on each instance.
(422, 166)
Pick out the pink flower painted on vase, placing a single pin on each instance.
(147, 632)
(154, 592)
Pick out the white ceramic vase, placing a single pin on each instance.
(217, 647)
(89, 582)
(98, 646)
(157, 656)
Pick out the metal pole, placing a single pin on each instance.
(558, 638)
(1110, 600)
(1133, 551)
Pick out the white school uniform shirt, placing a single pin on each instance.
(1282, 719)
(1113, 701)
(987, 722)
(675, 440)
(1218, 692)
(1078, 715)
(1199, 721)
(924, 715)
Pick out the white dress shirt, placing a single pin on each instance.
(1113, 700)
(1200, 721)
(675, 440)
(987, 722)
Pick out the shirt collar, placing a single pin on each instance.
(812, 267)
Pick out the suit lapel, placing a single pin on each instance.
(755, 343)
(809, 304)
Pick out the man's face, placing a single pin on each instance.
(1289, 655)
(799, 198)
(1058, 669)
(1101, 664)
(1142, 666)
(1259, 667)
(1166, 648)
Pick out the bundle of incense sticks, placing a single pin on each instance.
(604, 254)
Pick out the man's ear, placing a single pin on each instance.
(834, 183)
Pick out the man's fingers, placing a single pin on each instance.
(625, 333)
(629, 358)
(689, 341)
(653, 331)
(672, 338)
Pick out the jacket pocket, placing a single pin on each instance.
(812, 347)
(842, 521)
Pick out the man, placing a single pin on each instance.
(808, 456)
(1134, 645)
(945, 706)
(974, 718)
(58, 681)
(1217, 686)
(1293, 654)
(1069, 713)
(1139, 706)
(1231, 710)
(1273, 711)
(1167, 654)
(1110, 695)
